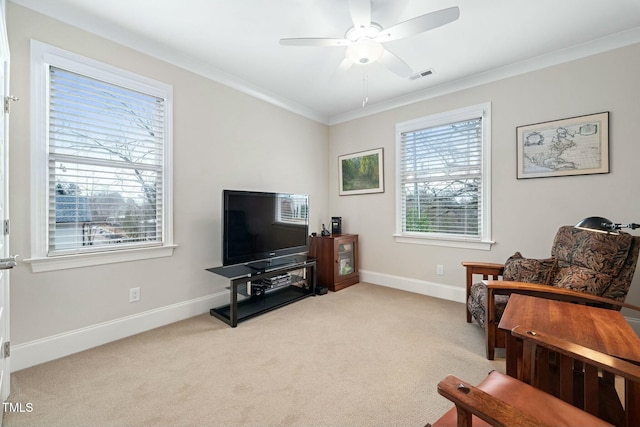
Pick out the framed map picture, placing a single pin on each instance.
(574, 146)
(361, 173)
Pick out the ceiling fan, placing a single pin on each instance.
(364, 40)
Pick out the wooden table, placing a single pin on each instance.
(605, 331)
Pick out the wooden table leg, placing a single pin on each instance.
(632, 403)
(527, 374)
(591, 389)
(513, 355)
(565, 366)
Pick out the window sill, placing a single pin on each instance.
(43, 264)
(484, 245)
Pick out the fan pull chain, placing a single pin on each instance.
(365, 90)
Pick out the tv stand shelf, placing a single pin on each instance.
(240, 277)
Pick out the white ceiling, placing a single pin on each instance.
(236, 42)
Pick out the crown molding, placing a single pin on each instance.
(160, 51)
(175, 57)
(572, 53)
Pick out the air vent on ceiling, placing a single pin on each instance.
(421, 74)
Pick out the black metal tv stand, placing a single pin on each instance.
(253, 305)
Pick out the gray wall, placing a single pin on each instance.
(222, 139)
(526, 213)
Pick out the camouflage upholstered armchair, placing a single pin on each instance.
(585, 267)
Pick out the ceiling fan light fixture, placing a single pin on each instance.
(357, 33)
(364, 51)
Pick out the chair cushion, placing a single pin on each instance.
(582, 279)
(476, 303)
(620, 285)
(517, 269)
(601, 252)
(545, 407)
(520, 269)
(590, 262)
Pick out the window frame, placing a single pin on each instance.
(483, 242)
(42, 57)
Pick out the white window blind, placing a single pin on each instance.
(441, 175)
(292, 209)
(105, 165)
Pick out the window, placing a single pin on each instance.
(101, 163)
(443, 184)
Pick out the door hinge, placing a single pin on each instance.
(6, 351)
(6, 102)
(6, 227)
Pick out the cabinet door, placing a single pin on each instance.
(346, 258)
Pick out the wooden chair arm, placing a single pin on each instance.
(471, 400)
(480, 264)
(503, 287)
(488, 270)
(603, 361)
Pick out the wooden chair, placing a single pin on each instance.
(501, 400)
(581, 376)
(585, 267)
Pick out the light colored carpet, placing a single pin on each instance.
(364, 356)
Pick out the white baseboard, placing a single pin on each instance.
(438, 290)
(56, 346)
(432, 289)
(50, 348)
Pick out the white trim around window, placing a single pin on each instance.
(43, 57)
(483, 240)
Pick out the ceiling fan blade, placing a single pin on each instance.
(360, 13)
(395, 64)
(419, 24)
(345, 65)
(321, 42)
(341, 69)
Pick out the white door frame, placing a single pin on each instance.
(5, 385)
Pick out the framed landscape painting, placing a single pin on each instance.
(361, 173)
(573, 146)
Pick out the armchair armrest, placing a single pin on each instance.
(482, 264)
(503, 287)
(472, 400)
(486, 269)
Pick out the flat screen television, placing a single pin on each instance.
(260, 226)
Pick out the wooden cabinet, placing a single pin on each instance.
(337, 260)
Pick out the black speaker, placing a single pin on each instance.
(336, 225)
(321, 290)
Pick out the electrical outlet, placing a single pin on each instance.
(134, 294)
(440, 269)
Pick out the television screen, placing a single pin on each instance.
(260, 226)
